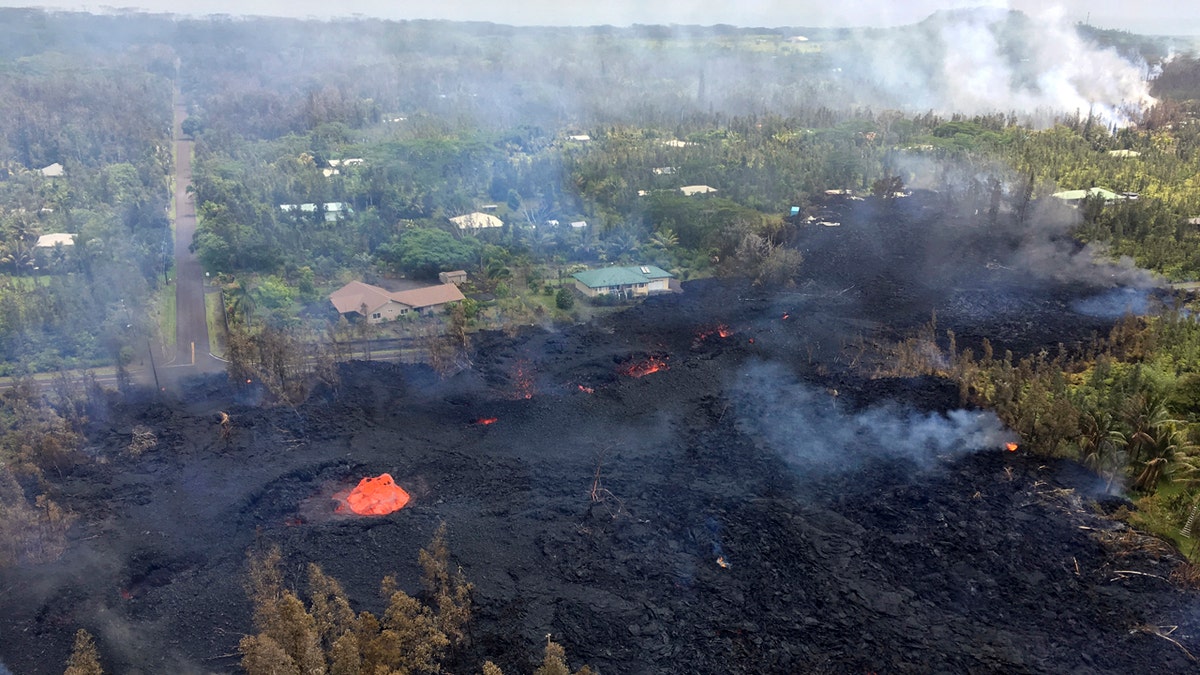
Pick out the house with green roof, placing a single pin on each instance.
(1076, 196)
(625, 282)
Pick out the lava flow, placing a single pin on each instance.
(643, 368)
(485, 421)
(373, 496)
(720, 330)
(523, 380)
(1011, 447)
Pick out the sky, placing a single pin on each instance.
(1164, 17)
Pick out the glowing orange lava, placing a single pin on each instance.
(643, 368)
(722, 562)
(720, 330)
(586, 390)
(376, 496)
(1011, 447)
(523, 380)
(487, 420)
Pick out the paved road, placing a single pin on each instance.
(192, 351)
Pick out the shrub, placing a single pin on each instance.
(564, 299)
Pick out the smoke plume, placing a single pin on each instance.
(988, 60)
(813, 430)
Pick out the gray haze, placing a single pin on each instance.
(985, 61)
(814, 431)
(1164, 17)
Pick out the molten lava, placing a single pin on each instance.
(487, 420)
(720, 330)
(586, 390)
(523, 380)
(376, 496)
(643, 368)
(1011, 447)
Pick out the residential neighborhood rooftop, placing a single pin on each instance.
(355, 295)
(1078, 195)
(54, 239)
(621, 276)
(477, 221)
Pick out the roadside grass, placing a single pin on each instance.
(216, 324)
(166, 315)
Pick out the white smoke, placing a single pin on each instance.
(811, 428)
(989, 60)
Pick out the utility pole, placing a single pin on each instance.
(153, 368)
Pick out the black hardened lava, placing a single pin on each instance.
(702, 515)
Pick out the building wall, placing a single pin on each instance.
(657, 285)
(590, 292)
(647, 288)
(389, 312)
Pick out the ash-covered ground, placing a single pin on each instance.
(758, 504)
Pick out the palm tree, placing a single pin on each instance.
(664, 239)
(1101, 445)
(1156, 440)
(1144, 414)
(241, 303)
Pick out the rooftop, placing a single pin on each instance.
(354, 295)
(477, 221)
(620, 276)
(1078, 195)
(52, 240)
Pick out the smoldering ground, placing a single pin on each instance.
(814, 430)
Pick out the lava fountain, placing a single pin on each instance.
(373, 496)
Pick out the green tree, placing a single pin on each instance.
(423, 252)
(564, 299)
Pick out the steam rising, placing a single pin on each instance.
(811, 429)
(989, 60)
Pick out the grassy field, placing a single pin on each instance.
(25, 283)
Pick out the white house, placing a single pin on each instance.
(52, 240)
(334, 211)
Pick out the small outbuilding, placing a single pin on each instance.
(457, 277)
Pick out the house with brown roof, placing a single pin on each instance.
(378, 305)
